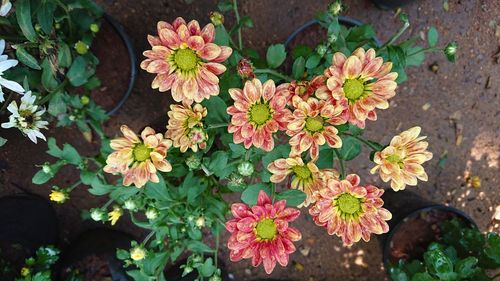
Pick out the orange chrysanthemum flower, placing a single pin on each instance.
(363, 80)
(306, 177)
(305, 89)
(185, 127)
(401, 161)
(313, 124)
(258, 112)
(185, 60)
(138, 159)
(262, 232)
(350, 211)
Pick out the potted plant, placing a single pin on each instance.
(240, 125)
(56, 66)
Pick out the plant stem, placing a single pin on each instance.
(56, 90)
(367, 143)
(74, 185)
(108, 203)
(395, 36)
(205, 169)
(6, 102)
(341, 163)
(215, 126)
(273, 191)
(274, 73)
(146, 239)
(430, 49)
(217, 242)
(237, 14)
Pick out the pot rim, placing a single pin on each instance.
(434, 206)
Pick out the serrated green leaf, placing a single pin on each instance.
(275, 55)
(350, 149)
(432, 36)
(293, 197)
(298, 68)
(57, 105)
(221, 36)
(70, 154)
(249, 196)
(216, 111)
(313, 61)
(78, 74)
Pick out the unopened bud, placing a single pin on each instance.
(72, 117)
(450, 51)
(216, 18)
(200, 222)
(321, 49)
(215, 278)
(151, 213)
(236, 182)
(130, 205)
(245, 169)
(84, 100)
(81, 48)
(187, 270)
(94, 27)
(336, 7)
(193, 162)
(245, 69)
(98, 214)
(46, 168)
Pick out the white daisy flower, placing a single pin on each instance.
(26, 117)
(5, 64)
(5, 8)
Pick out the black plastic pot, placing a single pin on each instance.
(391, 4)
(405, 205)
(343, 20)
(100, 245)
(132, 58)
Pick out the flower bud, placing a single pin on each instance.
(332, 38)
(94, 27)
(187, 270)
(81, 48)
(245, 69)
(84, 100)
(200, 222)
(25, 271)
(450, 51)
(72, 117)
(97, 214)
(215, 278)
(57, 25)
(336, 7)
(137, 253)
(46, 168)
(236, 182)
(216, 18)
(245, 169)
(130, 205)
(114, 215)
(151, 213)
(193, 162)
(38, 27)
(321, 49)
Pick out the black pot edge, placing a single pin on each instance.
(342, 19)
(383, 5)
(133, 60)
(386, 242)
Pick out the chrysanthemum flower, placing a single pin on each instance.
(401, 161)
(185, 60)
(138, 159)
(350, 211)
(363, 80)
(305, 89)
(305, 177)
(262, 232)
(185, 127)
(258, 112)
(58, 195)
(114, 215)
(313, 124)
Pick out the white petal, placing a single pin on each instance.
(2, 46)
(11, 85)
(4, 10)
(8, 125)
(32, 135)
(6, 64)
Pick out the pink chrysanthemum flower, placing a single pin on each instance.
(363, 80)
(313, 124)
(262, 232)
(401, 161)
(258, 112)
(305, 89)
(185, 60)
(138, 159)
(350, 211)
(185, 127)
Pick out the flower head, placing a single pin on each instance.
(312, 124)
(363, 81)
(185, 127)
(262, 232)
(185, 60)
(137, 253)
(245, 69)
(138, 159)
(401, 161)
(26, 118)
(350, 211)
(114, 215)
(6, 63)
(305, 177)
(304, 89)
(258, 112)
(59, 195)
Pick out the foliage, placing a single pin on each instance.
(38, 268)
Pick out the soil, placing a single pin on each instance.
(416, 233)
(463, 95)
(113, 69)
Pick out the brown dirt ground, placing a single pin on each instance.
(466, 93)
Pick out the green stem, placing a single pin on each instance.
(430, 49)
(367, 143)
(6, 102)
(205, 169)
(215, 126)
(217, 243)
(147, 238)
(56, 90)
(273, 191)
(273, 72)
(395, 36)
(66, 10)
(237, 14)
(341, 163)
(74, 185)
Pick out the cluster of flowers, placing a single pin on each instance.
(187, 62)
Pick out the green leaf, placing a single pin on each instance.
(208, 268)
(71, 155)
(422, 276)
(155, 261)
(41, 177)
(398, 274)
(432, 36)
(78, 74)
(439, 264)
(138, 275)
(54, 150)
(221, 36)
(313, 61)
(360, 33)
(275, 55)
(157, 191)
(225, 6)
(23, 15)
(246, 21)
(301, 51)
(298, 67)
(123, 193)
(466, 267)
(64, 55)
(237, 150)
(293, 197)
(493, 248)
(249, 196)
(350, 149)
(87, 176)
(57, 105)
(26, 58)
(216, 111)
(98, 188)
(326, 156)
(198, 247)
(48, 80)
(45, 15)
(2, 141)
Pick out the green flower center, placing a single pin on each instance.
(260, 113)
(266, 229)
(186, 59)
(353, 89)
(396, 159)
(141, 152)
(302, 172)
(348, 203)
(314, 124)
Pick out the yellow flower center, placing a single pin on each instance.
(348, 203)
(353, 89)
(186, 59)
(314, 124)
(260, 113)
(397, 158)
(302, 172)
(266, 229)
(142, 152)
